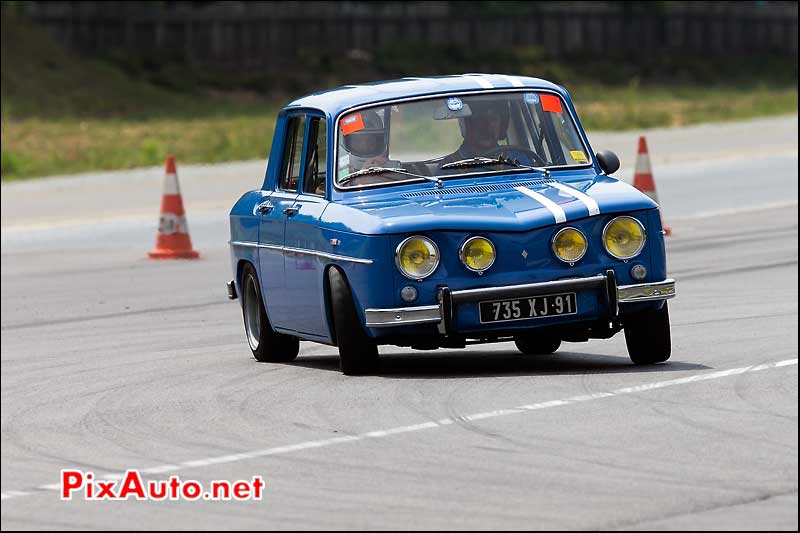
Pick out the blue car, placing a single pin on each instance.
(440, 212)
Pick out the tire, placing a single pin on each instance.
(267, 345)
(533, 344)
(358, 354)
(648, 338)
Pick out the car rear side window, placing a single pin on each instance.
(317, 158)
(292, 154)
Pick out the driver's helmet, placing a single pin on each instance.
(480, 108)
(370, 141)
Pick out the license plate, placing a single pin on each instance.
(527, 308)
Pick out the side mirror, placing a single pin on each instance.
(608, 160)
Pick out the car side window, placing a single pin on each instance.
(292, 154)
(317, 154)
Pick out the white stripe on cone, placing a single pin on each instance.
(643, 164)
(171, 184)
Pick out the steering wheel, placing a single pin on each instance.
(524, 155)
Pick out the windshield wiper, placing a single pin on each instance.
(485, 161)
(378, 170)
(470, 162)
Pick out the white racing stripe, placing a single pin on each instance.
(278, 450)
(553, 207)
(588, 201)
(511, 79)
(483, 82)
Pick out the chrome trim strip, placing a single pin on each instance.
(554, 208)
(646, 292)
(244, 244)
(404, 316)
(326, 255)
(587, 200)
(474, 295)
(289, 249)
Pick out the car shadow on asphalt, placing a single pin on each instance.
(472, 364)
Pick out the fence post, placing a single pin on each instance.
(188, 46)
(272, 36)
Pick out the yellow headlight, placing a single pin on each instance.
(624, 237)
(477, 254)
(569, 245)
(417, 257)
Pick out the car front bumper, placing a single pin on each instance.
(443, 312)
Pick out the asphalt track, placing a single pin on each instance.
(111, 361)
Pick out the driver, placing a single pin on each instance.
(369, 146)
(481, 131)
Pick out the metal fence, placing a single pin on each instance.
(275, 32)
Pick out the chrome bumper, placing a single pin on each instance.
(382, 318)
(645, 292)
(442, 313)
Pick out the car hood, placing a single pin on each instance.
(518, 205)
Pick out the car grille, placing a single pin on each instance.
(476, 189)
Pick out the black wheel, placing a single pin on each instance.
(537, 344)
(647, 336)
(358, 354)
(267, 345)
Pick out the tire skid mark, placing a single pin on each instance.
(377, 434)
(702, 273)
(641, 524)
(734, 318)
(720, 241)
(75, 320)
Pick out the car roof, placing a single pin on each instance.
(334, 101)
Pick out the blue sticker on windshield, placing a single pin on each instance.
(455, 104)
(531, 98)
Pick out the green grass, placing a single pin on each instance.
(40, 147)
(64, 113)
(628, 108)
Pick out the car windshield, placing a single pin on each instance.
(454, 136)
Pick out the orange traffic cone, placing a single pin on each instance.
(173, 240)
(643, 177)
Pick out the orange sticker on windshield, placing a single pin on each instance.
(550, 103)
(352, 124)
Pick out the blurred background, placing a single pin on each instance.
(109, 85)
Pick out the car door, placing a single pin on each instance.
(303, 269)
(272, 230)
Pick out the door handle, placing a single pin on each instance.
(266, 207)
(291, 211)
